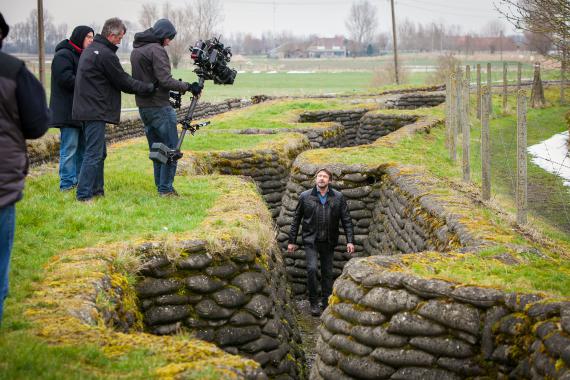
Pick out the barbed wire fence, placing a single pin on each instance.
(508, 148)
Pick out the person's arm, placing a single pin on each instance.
(123, 81)
(32, 106)
(62, 71)
(161, 70)
(346, 221)
(299, 211)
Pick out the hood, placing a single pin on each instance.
(146, 37)
(64, 45)
(163, 28)
(79, 34)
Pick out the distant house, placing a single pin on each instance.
(475, 43)
(328, 47)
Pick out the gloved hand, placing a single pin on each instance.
(195, 88)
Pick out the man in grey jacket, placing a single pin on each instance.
(150, 63)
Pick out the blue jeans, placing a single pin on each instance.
(160, 126)
(7, 226)
(91, 176)
(71, 149)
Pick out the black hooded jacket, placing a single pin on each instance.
(63, 71)
(100, 80)
(150, 63)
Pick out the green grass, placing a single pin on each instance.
(531, 274)
(271, 116)
(223, 141)
(49, 222)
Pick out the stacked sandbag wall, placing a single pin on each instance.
(385, 323)
(237, 300)
(269, 168)
(374, 125)
(350, 120)
(416, 100)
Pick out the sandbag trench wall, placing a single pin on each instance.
(239, 303)
(268, 167)
(46, 149)
(388, 216)
(416, 100)
(385, 323)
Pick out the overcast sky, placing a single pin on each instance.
(322, 17)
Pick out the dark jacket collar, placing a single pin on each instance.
(315, 192)
(102, 40)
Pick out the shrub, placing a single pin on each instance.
(386, 74)
(445, 65)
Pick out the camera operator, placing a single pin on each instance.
(150, 63)
(97, 100)
(23, 115)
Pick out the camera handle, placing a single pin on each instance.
(186, 121)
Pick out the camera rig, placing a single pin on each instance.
(211, 59)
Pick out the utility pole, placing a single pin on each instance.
(41, 50)
(395, 42)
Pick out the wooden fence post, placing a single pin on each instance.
(522, 180)
(454, 119)
(479, 91)
(490, 87)
(447, 109)
(485, 145)
(505, 84)
(519, 77)
(466, 132)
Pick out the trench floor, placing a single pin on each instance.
(308, 326)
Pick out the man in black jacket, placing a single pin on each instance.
(150, 63)
(320, 210)
(23, 115)
(97, 100)
(63, 71)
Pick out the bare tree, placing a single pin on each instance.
(362, 21)
(546, 17)
(208, 18)
(538, 42)
(185, 33)
(493, 28)
(148, 14)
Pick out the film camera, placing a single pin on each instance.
(211, 59)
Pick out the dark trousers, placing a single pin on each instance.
(91, 176)
(326, 254)
(160, 127)
(7, 226)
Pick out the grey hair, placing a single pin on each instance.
(113, 26)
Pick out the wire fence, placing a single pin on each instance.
(507, 145)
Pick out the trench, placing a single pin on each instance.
(254, 303)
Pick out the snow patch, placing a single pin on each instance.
(552, 156)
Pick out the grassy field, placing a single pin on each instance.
(281, 77)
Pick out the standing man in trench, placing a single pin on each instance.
(320, 209)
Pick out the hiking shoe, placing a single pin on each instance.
(316, 310)
(169, 194)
